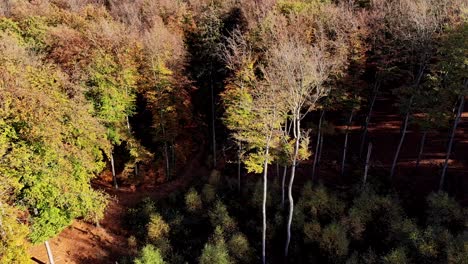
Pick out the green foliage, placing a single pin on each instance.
(193, 201)
(13, 236)
(157, 228)
(445, 212)
(334, 242)
(216, 250)
(319, 204)
(239, 248)
(112, 95)
(257, 196)
(219, 216)
(149, 255)
(396, 256)
(51, 145)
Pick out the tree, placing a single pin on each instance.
(299, 69)
(51, 145)
(413, 27)
(149, 255)
(453, 78)
(215, 251)
(206, 44)
(255, 114)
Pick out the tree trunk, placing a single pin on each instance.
(136, 169)
(128, 125)
(368, 117)
(345, 148)
(166, 158)
(213, 129)
(265, 180)
(173, 159)
(316, 154)
(421, 148)
(49, 253)
(114, 177)
(283, 183)
(239, 153)
(452, 136)
(366, 168)
(297, 134)
(403, 134)
(317, 145)
(166, 150)
(319, 155)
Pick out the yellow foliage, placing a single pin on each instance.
(157, 228)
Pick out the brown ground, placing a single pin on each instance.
(85, 243)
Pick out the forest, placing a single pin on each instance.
(233, 131)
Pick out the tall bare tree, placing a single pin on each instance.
(300, 69)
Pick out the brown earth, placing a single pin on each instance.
(85, 243)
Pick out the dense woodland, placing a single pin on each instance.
(271, 102)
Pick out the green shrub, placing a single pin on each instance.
(312, 231)
(193, 201)
(215, 251)
(219, 216)
(396, 256)
(444, 211)
(149, 255)
(239, 247)
(157, 228)
(334, 242)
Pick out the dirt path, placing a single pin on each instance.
(82, 242)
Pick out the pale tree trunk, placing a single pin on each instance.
(265, 180)
(421, 148)
(297, 135)
(49, 253)
(317, 146)
(366, 168)
(345, 148)
(283, 183)
(128, 125)
(402, 138)
(136, 169)
(450, 144)
(368, 117)
(114, 177)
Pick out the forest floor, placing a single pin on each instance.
(85, 243)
